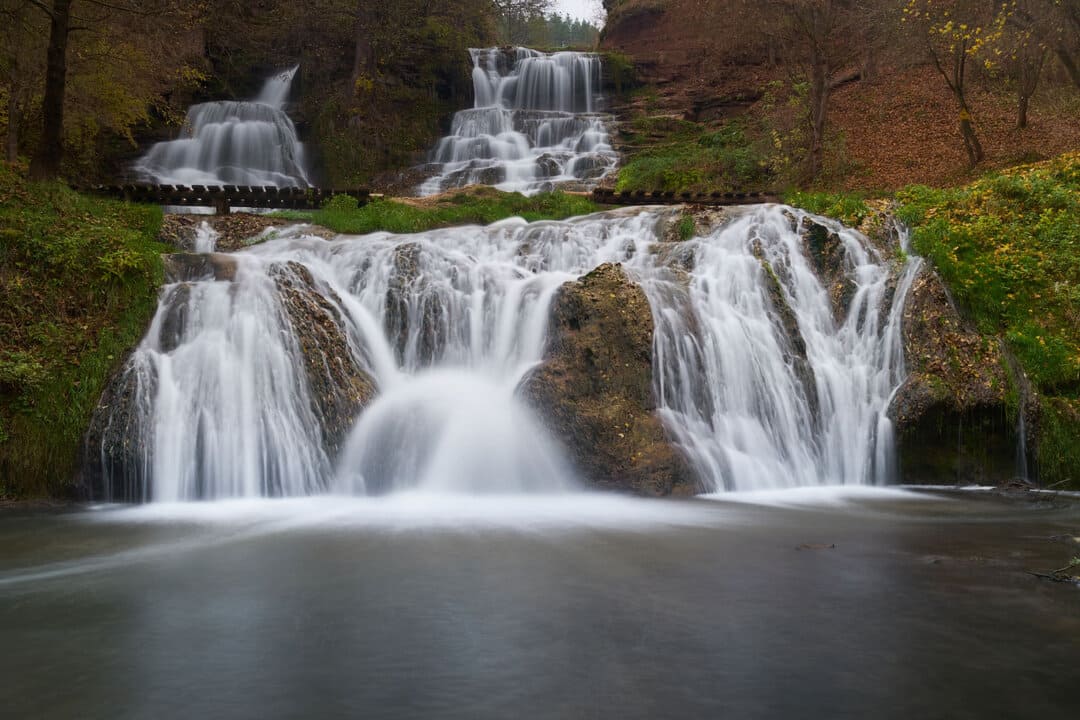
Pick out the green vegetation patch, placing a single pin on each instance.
(680, 156)
(1008, 246)
(849, 208)
(1059, 451)
(78, 286)
(476, 207)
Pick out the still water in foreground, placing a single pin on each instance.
(571, 606)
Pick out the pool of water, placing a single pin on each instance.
(822, 604)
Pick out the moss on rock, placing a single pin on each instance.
(594, 389)
(339, 389)
(953, 413)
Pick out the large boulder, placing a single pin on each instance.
(956, 415)
(339, 388)
(594, 389)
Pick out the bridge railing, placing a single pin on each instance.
(665, 197)
(225, 197)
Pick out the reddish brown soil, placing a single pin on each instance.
(703, 61)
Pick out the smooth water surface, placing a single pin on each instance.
(575, 606)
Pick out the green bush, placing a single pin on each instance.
(849, 208)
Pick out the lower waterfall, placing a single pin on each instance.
(367, 365)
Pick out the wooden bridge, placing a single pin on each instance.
(222, 198)
(664, 197)
(225, 197)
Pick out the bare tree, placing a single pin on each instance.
(814, 34)
(957, 34)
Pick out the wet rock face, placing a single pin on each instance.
(951, 414)
(236, 231)
(793, 342)
(339, 389)
(826, 252)
(423, 330)
(594, 388)
(192, 267)
(113, 453)
(177, 302)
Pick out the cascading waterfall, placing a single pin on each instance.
(233, 143)
(534, 124)
(759, 377)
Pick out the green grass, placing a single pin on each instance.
(1008, 246)
(481, 206)
(681, 156)
(849, 208)
(686, 227)
(78, 285)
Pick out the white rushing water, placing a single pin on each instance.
(233, 143)
(447, 323)
(535, 123)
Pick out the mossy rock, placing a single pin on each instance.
(954, 417)
(594, 387)
(339, 389)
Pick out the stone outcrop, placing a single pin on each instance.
(339, 388)
(194, 267)
(423, 332)
(594, 388)
(236, 231)
(793, 343)
(828, 257)
(952, 414)
(112, 466)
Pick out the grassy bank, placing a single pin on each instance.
(78, 284)
(1008, 246)
(665, 153)
(478, 206)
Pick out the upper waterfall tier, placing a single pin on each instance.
(534, 124)
(233, 143)
(391, 362)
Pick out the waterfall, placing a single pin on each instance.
(534, 124)
(764, 376)
(772, 367)
(233, 143)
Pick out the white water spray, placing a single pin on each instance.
(759, 378)
(534, 124)
(233, 143)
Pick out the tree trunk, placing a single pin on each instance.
(1027, 83)
(50, 152)
(14, 120)
(1070, 65)
(971, 141)
(362, 55)
(819, 106)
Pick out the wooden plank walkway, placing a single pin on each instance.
(225, 197)
(662, 197)
(222, 198)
